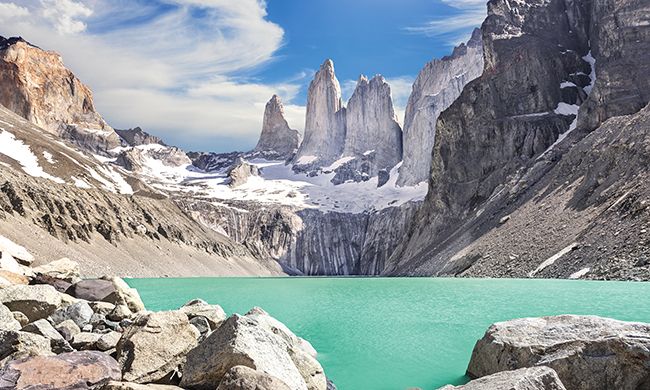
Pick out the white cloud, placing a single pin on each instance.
(456, 28)
(9, 11)
(172, 70)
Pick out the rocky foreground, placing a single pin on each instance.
(58, 331)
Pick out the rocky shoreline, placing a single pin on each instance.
(59, 331)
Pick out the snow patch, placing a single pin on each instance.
(579, 274)
(17, 150)
(306, 160)
(592, 75)
(553, 258)
(48, 156)
(81, 183)
(338, 163)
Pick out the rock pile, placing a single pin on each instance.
(58, 331)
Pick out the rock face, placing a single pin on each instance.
(277, 138)
(372, 127)
(36, 85)
(510, 140)
(240, 172)
(536, 378)
(154, 347)
(437, 86)
(74, 370)
(586, 352)
(137, 137)
(240, 341)
(324, 137)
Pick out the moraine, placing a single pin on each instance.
(399, 333)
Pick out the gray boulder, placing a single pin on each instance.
(588, 353)
(18, 344)
(74, 370)
(68, 329)
(108, 341)
(108, 289)
(79, 312)
(535, 378)
(214, 314)
(7, 320)
(154, 347)
(43, 328)
(62, 269)
(85, 340)
(245, 378)
(240, 341)
(35, 302)
(240, 171)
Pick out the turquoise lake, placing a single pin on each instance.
(392, 334)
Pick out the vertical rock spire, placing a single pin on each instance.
(277, 137)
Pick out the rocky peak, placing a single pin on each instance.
(325, 120)
(36, 85)
(240, 172)
(435, 89)
(137, 137)
(372, 127)
(277, 137)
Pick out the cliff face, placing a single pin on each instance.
(371, 125)
(277, 137)
(496, 205)
(325, 120)
(437, 86)
(36, 85)
(137, 137)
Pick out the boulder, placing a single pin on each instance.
(202, 325)
(108, 341)
(113, 385)
(80, 313)
(301, 351)
(586, 352)
(7, 320)
(74, 370)
(62, 269)
(16, 251)
(154, 347)
(245, 378)
(111, 290)
(43, 328)
(86, 340)
(240, 341)
(68, 329)
(214, 314)
(35, 302)
(8, 278)
(119, 313)
(20, 317)
(103, 308)
(8, 263)
(535, 378)
(18, 344)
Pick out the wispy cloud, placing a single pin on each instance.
(455, 28)
(179, 67)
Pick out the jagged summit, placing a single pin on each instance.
(6, 42)
(137, 136)
(437, 86)
(277, 137)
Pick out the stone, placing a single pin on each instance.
(240, 341)
(214, 314)
(8, 278)
(277, 138)
(535, 378)
(114, 385)
(246, 378)
(155, 346)
(79, 312)
(43, 328)
(62, 269)
(586, 352)
(18, 344)
(240, 172)
(20, 317)
(324, 135)
(75, 370)
(7, 320)
(302, 353)
(35, 302)
(9, 264)
(85, 340)
(112, 290)
(437, 86)
(16, 251)
(137, 137)
(202, 325)
(68, 329)
(125, 295)
(119, 313)
(103, 308)
(108, 341)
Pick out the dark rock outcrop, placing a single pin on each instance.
(137, 137)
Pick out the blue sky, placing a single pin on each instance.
(198, 72)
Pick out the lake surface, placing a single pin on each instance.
(391, 334)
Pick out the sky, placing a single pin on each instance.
(198, 73)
